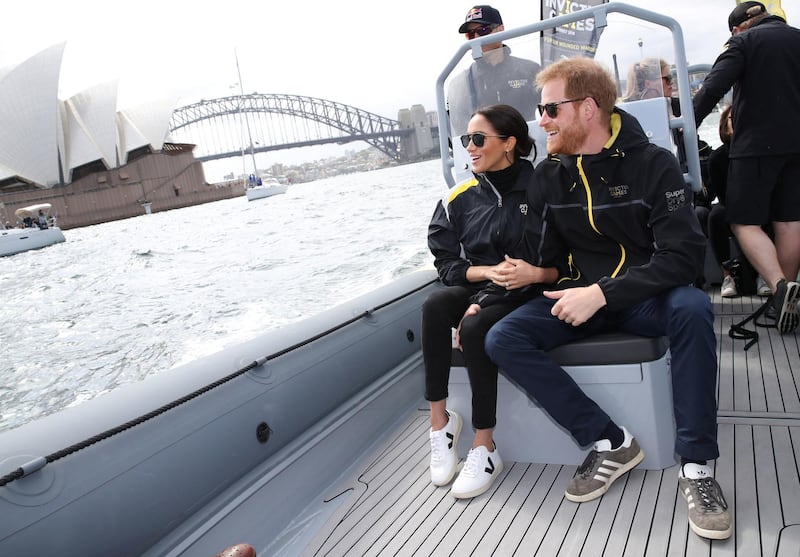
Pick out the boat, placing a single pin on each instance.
(256, 187)
(313, 440)
(265, 186)
(32, 235)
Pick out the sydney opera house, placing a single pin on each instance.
(92, 162)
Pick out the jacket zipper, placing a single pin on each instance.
(590, 214)
(494, 189)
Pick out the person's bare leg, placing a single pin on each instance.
(760, 251)
(787, 247)
(484, 437)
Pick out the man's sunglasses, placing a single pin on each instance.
(478, 139)
(481, 31)
(667, 79)
(552, 108)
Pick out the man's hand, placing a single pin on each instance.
(576, 306)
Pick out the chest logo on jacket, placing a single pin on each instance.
(675, 199)
(517, 83)
(617, 192)
(523, 208)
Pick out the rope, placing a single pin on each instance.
(28, 468)
(38, 463)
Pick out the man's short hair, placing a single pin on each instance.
(583, 77)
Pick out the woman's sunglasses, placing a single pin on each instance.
(478, 139)
(481, 31)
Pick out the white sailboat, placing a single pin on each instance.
(256, 187)
(264, 186)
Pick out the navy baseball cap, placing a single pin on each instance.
(481, 14)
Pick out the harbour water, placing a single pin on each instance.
(124, 300)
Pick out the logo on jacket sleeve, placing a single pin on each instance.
(675, 199)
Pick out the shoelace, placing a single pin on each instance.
(473, 463)
(710, 495)
(438, 444)
(587, 468)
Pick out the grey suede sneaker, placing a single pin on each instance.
(602, 466)
(708, 510)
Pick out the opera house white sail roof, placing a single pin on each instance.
(45, 138)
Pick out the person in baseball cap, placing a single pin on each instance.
(483, 15)
(496, 77)
(743, 12)
(760, 63)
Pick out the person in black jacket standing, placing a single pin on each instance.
(496, 77)
(620, 206)
(761, 61)
(477, 237)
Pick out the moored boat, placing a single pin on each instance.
(38, 230)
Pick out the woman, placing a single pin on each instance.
(719, 231)
(477, 237)
(649, 79)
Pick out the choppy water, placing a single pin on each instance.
(120, 301)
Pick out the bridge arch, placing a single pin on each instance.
(280, 121)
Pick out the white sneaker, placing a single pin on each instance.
(444, 460)
(478, 473)
(762, 288)
(729, 287)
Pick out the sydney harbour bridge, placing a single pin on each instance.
(255, 123)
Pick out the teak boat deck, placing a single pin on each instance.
(391, 508)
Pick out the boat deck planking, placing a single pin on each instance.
(393, 509)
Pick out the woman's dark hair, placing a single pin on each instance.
(725, 134)
(507, 120)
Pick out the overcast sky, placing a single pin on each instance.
(374, 55)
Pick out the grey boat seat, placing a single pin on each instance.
(627, 375)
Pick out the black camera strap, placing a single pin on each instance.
(739, 331)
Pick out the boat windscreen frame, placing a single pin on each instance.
(599, 13)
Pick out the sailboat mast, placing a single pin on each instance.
(246, 119)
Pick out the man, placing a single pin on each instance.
(761, 61)
(620, 206)
(495, 78)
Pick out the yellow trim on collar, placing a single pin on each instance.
(616, 126)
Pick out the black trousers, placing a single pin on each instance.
(441, 312)
(719, 233)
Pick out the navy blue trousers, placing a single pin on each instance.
(518, 344)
